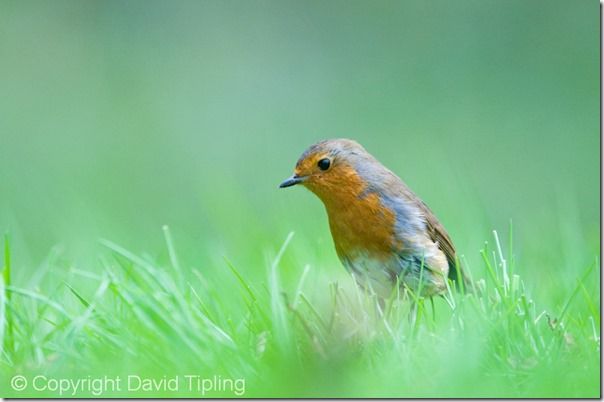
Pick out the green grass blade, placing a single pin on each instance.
(82, 300)
(576, 290)
(6, 275)
(241, 281)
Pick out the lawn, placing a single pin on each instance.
(142, 319)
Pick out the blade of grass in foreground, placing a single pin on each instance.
(277, 308)
(242, 281)
(2, 316)
(172, 253)
(78, 296)
(6, 276)
(577, 289)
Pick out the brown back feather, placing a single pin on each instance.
(439, 235)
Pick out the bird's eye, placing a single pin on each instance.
(324, 164)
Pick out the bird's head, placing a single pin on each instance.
(330, 169)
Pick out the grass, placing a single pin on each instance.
(294, 335)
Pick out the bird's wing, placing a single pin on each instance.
(439, 235)
(435, 230)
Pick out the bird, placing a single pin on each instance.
(383, 233)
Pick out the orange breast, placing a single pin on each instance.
(362, 226)
(359, 223)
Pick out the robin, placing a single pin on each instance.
(383, 233)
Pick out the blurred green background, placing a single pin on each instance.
(118, 117)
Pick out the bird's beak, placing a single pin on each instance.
(292, 181)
